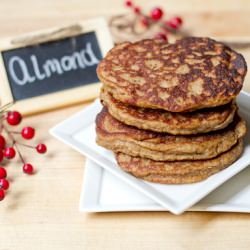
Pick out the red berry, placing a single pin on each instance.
(27, 168)
(2, 195)
(156, 14)
(28, 133)
(128, 3)
(2, 142)
(171, 24)
(41, 148)
(174, 22)
(14, 117)
(161, 36)
(9, 153)
(144, 21)
(178, 20)
(137, 10)
(4, 184)
(3, 173)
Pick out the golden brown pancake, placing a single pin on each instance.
(119, 137)
(178, 172)
(157, 120)
(192, 73)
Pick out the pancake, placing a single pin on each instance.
(192, 73)
(119, 137)
(157, 120)
(178, 172)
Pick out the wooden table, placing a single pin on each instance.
(41, 211)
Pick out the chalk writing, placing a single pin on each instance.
(79, 59)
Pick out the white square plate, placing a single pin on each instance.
(103, 192)
(79, 132)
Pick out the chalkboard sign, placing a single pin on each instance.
(53, 68)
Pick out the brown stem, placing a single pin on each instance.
(8, 133)
(19, 153)
(1, 127)
(14, 143)
(6, 106)
(14, 132)
(25, 145)
(2, 117)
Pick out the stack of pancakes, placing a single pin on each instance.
(169, 110)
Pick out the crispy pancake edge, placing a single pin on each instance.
(174, 174)
(118, 137)
(200, 121)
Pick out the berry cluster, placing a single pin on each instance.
(155, 17)
(9, 151)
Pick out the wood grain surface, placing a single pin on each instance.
(41, 211)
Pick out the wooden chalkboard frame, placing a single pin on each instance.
(61, 98)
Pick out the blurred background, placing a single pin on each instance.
(227, 20)
(209, 18)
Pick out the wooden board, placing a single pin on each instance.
(41, 211)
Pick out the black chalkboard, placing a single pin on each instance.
(52, 66)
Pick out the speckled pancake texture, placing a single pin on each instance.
(157, 120)
(190, 74)
(169, 110)
(119, 137)
(178, 172)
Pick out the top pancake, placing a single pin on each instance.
(190, 74)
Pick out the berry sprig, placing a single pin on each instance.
(8, 137)
(155, 18)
